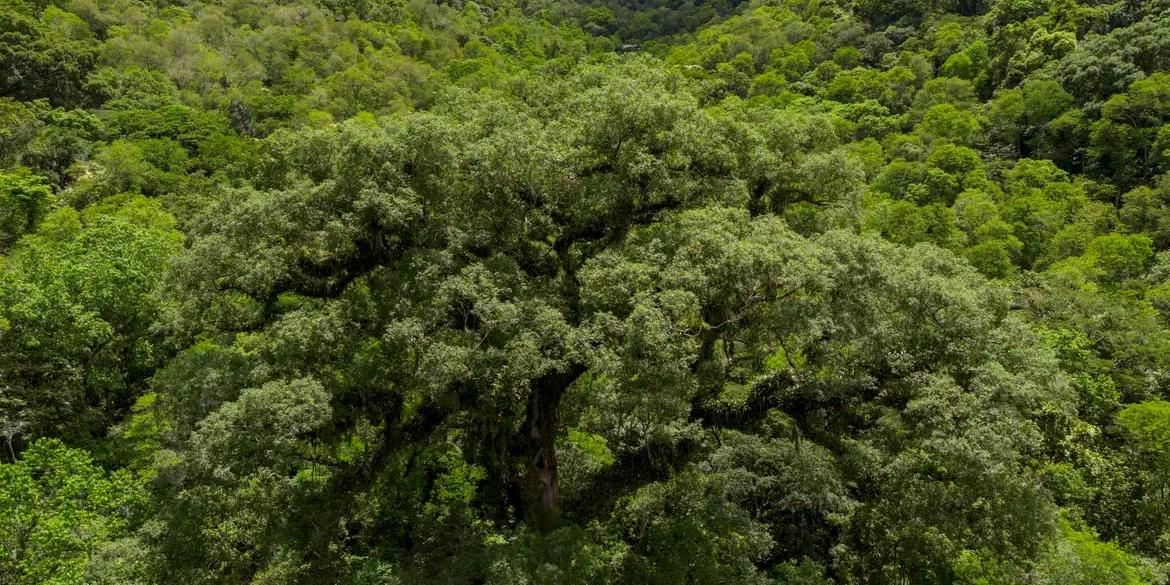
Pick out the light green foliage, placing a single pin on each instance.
(1109, 259)
(1149, 425)
(24, 200)
(59, 510)
(77, 301)
(1078, 557)
(1119, 257)
(1144, 211)
(906, 223)
(947, 123)
(1075, 556)
(582, 456)
(1149, 422)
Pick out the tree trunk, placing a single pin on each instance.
(541, 431)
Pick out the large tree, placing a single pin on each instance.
(414, 329)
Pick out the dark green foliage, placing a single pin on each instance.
(44, 53)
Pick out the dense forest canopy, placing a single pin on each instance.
(376, 292)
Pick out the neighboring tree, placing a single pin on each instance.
(24, 200)
(76, 306)
(60, 510)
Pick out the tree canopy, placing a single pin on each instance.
(783, 291)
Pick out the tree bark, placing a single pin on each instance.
(541, 435)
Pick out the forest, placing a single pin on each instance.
(576, 292)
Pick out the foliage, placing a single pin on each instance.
(60, 510)
(782, 291)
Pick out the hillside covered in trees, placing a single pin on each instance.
(556, 292)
